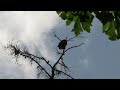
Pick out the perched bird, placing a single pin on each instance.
(62, 44)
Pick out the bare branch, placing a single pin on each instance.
(16, 52)
(64, 73)
(63, 65)
(59, 59)
(73, 47)
(71, 38)
(56, 36)
(75, 37)
(25, 54)
(39, 65)
(41, 58)
(64, 51)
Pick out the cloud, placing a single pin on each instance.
(32, 28)
(84, 63)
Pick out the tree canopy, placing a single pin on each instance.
(83, 21)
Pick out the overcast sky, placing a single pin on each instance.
(97, 58)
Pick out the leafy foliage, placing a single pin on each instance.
(83, 21)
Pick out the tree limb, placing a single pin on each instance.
(26, 54)
(58, 59)
(73, 47)
(39, 65)
(41, 59)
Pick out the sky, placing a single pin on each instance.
(98, 58)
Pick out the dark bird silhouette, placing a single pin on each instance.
(62, 44)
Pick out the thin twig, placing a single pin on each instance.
(56, 36)
(28, 55)
(39, 65)
(73, 47)
(71, 38)
(64, 73)
(41, 59)
(64, 65)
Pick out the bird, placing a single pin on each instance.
(62, 44)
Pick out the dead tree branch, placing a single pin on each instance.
(56, 36)
(60, 58)
(64, 73)
(17, 51)
(52, 72)
(73, 47)
(71, 38)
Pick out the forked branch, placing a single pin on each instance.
(17, 51)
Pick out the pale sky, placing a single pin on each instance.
(97, 58)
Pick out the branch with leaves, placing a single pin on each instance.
(83, 21)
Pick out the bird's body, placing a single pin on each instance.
(62, 44)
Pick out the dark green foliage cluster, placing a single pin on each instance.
(83, 21)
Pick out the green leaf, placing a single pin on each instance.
(106, 26)
(70, 16)
(63, 15)
(90, 17)
(68, 22)
(76, 31)
(77, 27)
(75, 18)
(86, 26)
(111, 32)
(88, 21)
